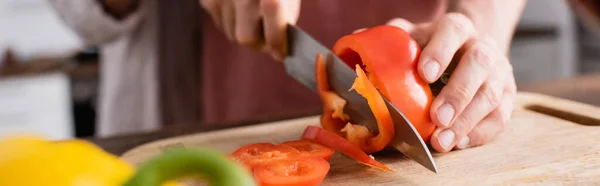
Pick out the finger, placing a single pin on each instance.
(402, 23)
(228, 20)
(248, 26)
(491, 125)
(274, 23)
(419, 32)
(488, 128)
(448, 36)
(474, 67)
(213, 7)
(485, 101)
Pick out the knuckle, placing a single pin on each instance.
(459, 23)
(482, 58)
(460, 95)
(489, 40)
(462, 125)
(490, 96)
(440, 53)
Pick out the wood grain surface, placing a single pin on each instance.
(548, 141)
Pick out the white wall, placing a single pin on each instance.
(538, 58)
(31, 27)
(41, 103)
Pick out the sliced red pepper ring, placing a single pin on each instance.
(308, 148)
(390, 57)
(253, 155)
(334, 120)
(298, 162)
(292, 172)
(338, 143)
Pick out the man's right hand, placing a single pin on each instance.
(258, 24)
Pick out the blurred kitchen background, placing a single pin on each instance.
(48, 80)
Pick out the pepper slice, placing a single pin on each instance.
(308, 148)
(300, 162)
(335, 141)
(252, 155)
(390, 56)
(333, 118)
(292, 172)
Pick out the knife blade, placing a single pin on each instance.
(300, 64)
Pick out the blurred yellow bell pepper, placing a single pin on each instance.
(35, 161)
(32, 160)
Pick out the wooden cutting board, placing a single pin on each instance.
(548, 140)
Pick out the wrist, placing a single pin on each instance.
(497, 19)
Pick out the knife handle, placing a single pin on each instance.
(436, 87)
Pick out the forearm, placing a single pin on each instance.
(497, 18)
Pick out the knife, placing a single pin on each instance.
(300, 64)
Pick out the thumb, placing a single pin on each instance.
(419, 32)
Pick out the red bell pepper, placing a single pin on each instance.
(333, 118)
(390, 56)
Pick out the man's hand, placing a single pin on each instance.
(258, 24)
(477, 100)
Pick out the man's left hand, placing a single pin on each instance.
(477, 100)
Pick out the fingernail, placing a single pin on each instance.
(431, 70)
(446, 137)
(445, 114)
(359, 30)
(463, 143)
